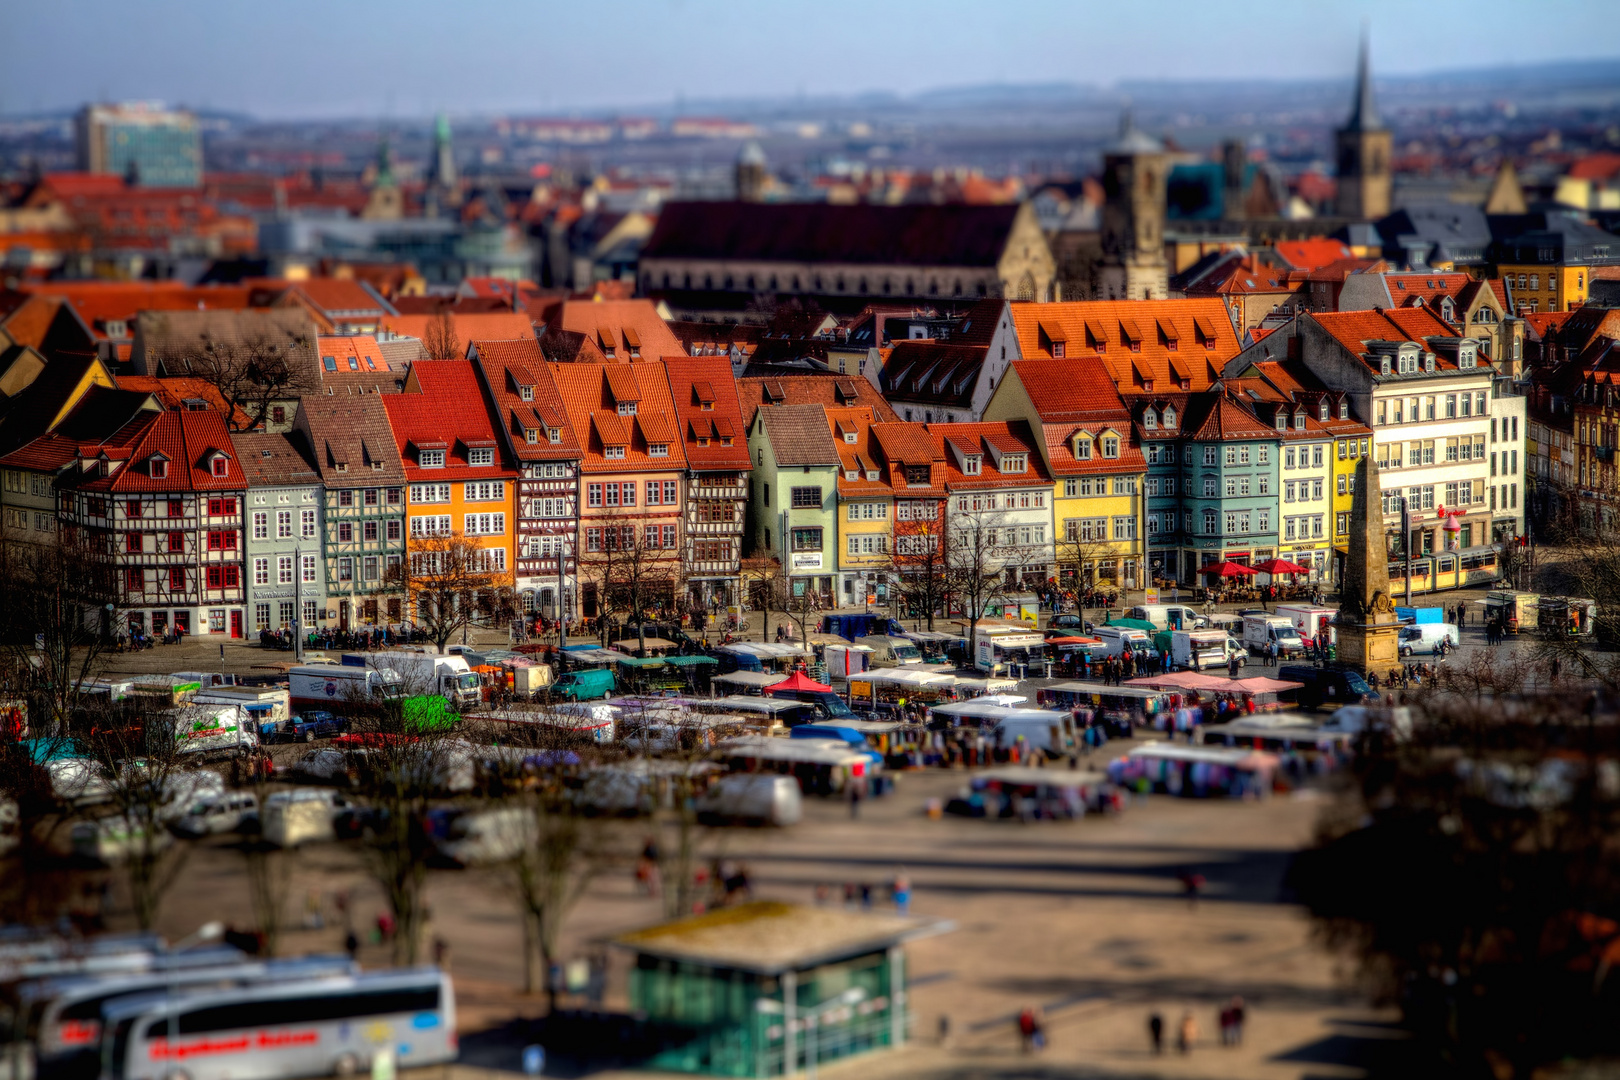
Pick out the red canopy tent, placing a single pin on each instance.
(798, 681)
(1230, 569)
(1281, 566)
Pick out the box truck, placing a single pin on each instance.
(425, 673)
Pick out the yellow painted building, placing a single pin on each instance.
(865, 517)
(1087, 440)
(1547, 288)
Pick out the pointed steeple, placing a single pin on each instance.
(1363, 111)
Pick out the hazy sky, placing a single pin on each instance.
(408, 57)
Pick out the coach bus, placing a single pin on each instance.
(315, 1027)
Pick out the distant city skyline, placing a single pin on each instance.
(411, 57)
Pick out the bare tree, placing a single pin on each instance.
(61, 602)
(1085, 554)
(451, 581)
(34, 881)
(253, 371)
(635, 575)
(921, 569)
(143, 752)
(976, 561)
(440, 340)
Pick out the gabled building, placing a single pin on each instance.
(1149, 347)
(286, 585)
(362, 519)
(865, 505)
(1103, 521)
(793, 495)
(338, 306)
(999, 499)
(913, 462)
(1448, 427)
(28, 474)
(714, 258)
(633, 475)
(622, 330)
(202, 343)
(765, 393)
(460, 481)
(950, 379)
(717, 467)
(166, 499)
(537, 435)
(1228, 478)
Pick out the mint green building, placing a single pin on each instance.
(793, 496)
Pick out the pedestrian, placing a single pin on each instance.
(441, 953)
(1037, 1035)
(944, 1030)
(902, 893)
(1223, 1019)
(1188, 1033)
(1026, 1029)
(1156, 1032)
(1237, 1011)
(351, 945)
(1232, 666)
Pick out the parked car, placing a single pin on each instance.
(1068, 622)
(305, 727)
(217, 813)
(326, 763)
(1423, 638)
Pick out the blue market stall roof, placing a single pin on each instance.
(769, 937)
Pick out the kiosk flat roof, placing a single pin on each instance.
(769, 937)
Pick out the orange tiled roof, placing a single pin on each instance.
(620, 325)
(592, 404)
(1311, 253)
(1014, 435)
(1353, 329)
(1172, 344)
(1600, 166)
(508, 367)
(175, 392)
(699, 381)
(332, 295)
(483, 326)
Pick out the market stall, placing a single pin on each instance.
(1029, 794)
(1198, 771)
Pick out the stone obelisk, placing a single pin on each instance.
(1367, 629)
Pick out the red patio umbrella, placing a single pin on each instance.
(798, 681)
(1230, 569)
(1281, 566)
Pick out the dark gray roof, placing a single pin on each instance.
(1553, 238)
(1431, 233)
(799, 435)
(274, 460)
(352, 431)
(920, 235)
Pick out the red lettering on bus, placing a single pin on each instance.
(78, 1032)
(263, 1040)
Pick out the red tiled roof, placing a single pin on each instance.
(593, 408)
(1405, 288)
(331, 295)
(1311, 253)
(507, 367)
(1602, 165)
(190, 441)
(811, 390)
(175, 392)
(618, 324)
(1353, 329)
(971, 437)
(694, 381)
(484, 326)
(1205, 339)
(443, 404)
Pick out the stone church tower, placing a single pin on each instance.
(1135, 169)
(1364, 147)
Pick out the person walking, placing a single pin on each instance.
(1156, 1032)
(1237, 1013)
(1026, 1030)
(1188, 1033)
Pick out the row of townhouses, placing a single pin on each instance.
(1130, 442)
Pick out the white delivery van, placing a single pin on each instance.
(300, 816)
(1196, 650)
(763, 798)
(1003, 647)
(891, 651)
(488, 836)
(1168, 616)
(1311, 621)
(329, 686)
(1117, 639)
(215, 729)
(532, 680)
(451, 677)
(1422, 638)
(264, 704)
(1261, 630)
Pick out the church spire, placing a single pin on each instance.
(1363, 111)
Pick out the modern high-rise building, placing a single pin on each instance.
(151, 146)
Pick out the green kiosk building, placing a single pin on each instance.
(768, 988)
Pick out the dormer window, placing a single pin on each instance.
(627, 408)
(1082, 448)
(873, 475)
(1110, 446)
(1150, 419)
(613, 453)
(1322, 409)
(852, 474)
(658, 449)
(526, 393)
(1282, 421)
(970, 465)
(531, 435)
(1169, 418)
(481, 455)
(430, 459)
(554, 434)
(220, 465)
(158, 467)
(849, 436)
(1383, 368)
(1428, 362)
(1014, 463)
(1299, 421)
(1344, 409)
